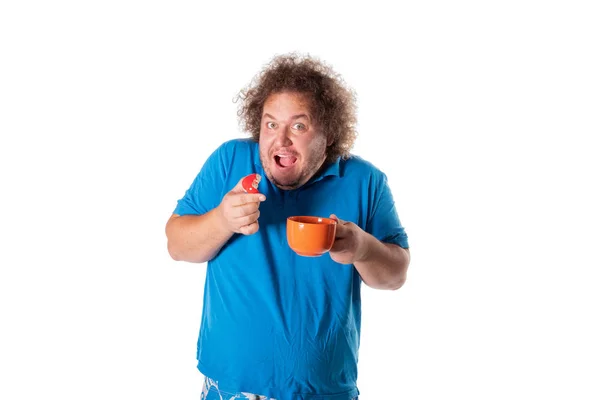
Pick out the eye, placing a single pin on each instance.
(271, 125)
(299, 127)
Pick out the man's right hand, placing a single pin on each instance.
(239, 210)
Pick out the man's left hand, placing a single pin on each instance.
(350, 244)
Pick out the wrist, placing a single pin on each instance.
(363, 252)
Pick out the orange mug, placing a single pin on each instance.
(310, 236)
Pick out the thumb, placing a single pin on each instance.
(340, 229)
(248, 184)
(335, 217)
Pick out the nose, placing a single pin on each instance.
(284, 136)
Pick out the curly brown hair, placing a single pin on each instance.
(332, 103)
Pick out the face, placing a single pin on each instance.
(292, 147)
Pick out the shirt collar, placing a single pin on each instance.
(329, 169)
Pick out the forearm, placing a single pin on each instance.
(383, 265)
(196, 238)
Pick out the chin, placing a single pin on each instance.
(285, 181)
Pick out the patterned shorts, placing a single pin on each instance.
(211, 391)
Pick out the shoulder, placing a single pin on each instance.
(245, 145)
(357, 167)
(234, 149)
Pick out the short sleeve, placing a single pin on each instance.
(204, 194)
(383, 222)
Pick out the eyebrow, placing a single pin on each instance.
(266, 115)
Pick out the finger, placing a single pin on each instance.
(245, 198)
(339, 245)
(342, 229)
(247, 219)
(341, 232)
(249, 229)
(244, 210)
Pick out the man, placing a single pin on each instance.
(276, 325)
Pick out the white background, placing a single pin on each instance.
(482, 114)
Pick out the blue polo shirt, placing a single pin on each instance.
(275, 323)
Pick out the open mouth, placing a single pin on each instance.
(285, 160)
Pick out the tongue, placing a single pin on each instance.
(287, 161)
